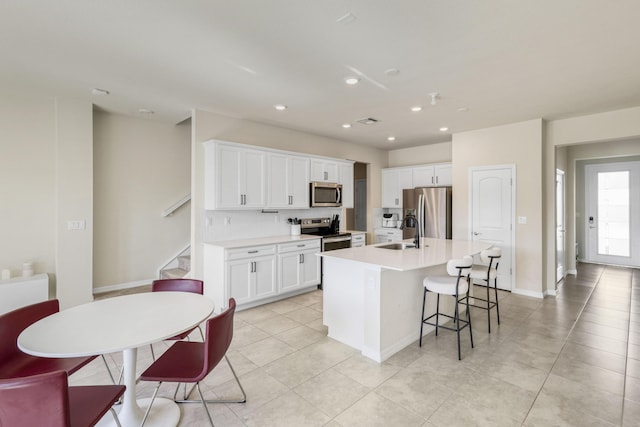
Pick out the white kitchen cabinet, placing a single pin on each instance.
(288, 182)
(234, 177)
(387, 235)
(346, 179)
(324, 170)
(358, 239)
(298, 266)
(251, 273)
(432, 175)
(394, 180)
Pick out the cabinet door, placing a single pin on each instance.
(265, 277)
(309, 268)
(239, 278)
(346, 179)
(299, 182)
(228, 168)
(278, 195)
(253, 172)
(423, 176)
(324, 171)
(289, 271)
(331, 171)
(389, 188)
(405, 181)
(443, 174)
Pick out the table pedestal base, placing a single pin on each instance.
(164, 413)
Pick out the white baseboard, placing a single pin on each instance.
(550, 292)
(121, 286)
(573, 272)
(527, 293)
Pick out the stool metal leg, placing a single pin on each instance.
(495, 289)
(424, 297)
(488, 304)
(457, 320)
(469, 318)
(437, 312)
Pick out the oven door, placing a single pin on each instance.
(338, 242)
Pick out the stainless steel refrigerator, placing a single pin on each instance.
(432, 207)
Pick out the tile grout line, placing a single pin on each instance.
(566, 339)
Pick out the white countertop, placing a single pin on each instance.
(271, 240)
(432, 252)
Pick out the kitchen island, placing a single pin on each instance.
(373, 296)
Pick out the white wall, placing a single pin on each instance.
(425, 154)
(142, 167)
(519, 144)
(207, 125)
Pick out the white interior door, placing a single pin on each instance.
(492, 214)
(560, 226)
(612, 223)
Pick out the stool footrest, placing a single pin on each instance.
(463, 323)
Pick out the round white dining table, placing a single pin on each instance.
(121, 323)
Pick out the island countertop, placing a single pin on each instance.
(432, 252)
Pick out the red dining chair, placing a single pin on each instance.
(191, 362)
(15, 363)
(47, 400)
(178, 285)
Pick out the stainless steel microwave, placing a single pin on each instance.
(325, 194)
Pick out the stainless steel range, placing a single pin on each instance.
(329, 229)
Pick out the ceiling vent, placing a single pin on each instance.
(368, 121)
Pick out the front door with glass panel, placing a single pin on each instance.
(612, 223)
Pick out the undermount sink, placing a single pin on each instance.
(397, 246)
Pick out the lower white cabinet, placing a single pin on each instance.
(385, 235)
(251, 273)
(298, 265)
(257, 274)
(358, 240)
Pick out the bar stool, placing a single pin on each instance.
(455, 283)
(486, 273)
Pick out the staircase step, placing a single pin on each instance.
(184, 262)
(173, 273)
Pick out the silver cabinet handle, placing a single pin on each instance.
(252, 252)
(326, 175)
(436, 179)
(432, 180)
(300, 259)
(301, 246)
(475, 233)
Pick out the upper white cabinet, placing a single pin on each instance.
(288, 181)
(394, 180)
(346, 179)
(324, 170)
(235, 177)
(432, 175)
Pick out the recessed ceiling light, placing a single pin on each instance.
(145, 111)
(391, 138)
(99, 92)
(280, 107)
(463, 109)
(416, 109)
(351, 80)
(346, 125)
(444, 129)
(346, 19)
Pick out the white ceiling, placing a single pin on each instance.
(504, 60)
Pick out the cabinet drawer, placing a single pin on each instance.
(357, 238)
(250, 252)
(299, 246)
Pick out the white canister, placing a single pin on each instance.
(295, 229)
(6, 274)
(27, 269)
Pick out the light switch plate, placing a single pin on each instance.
(78, 224)
(522, 220)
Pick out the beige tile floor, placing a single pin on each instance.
(571, 360)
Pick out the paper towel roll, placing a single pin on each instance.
(27, 269)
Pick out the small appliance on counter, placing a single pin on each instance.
(389, 220)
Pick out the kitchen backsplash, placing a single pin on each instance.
(231, 225)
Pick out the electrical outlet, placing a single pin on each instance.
(522, 220)
(227, 220)
(79, 224)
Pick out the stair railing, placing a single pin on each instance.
(177, 205)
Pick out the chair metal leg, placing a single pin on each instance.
(146, 414)
(153, 356)
(204, 403)
(424, 297)
(488, 305)
(495, 289)
(242, 400)
(469, 318)
(457, 320)
(437, 312)
(115, 417)
(109, 370)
